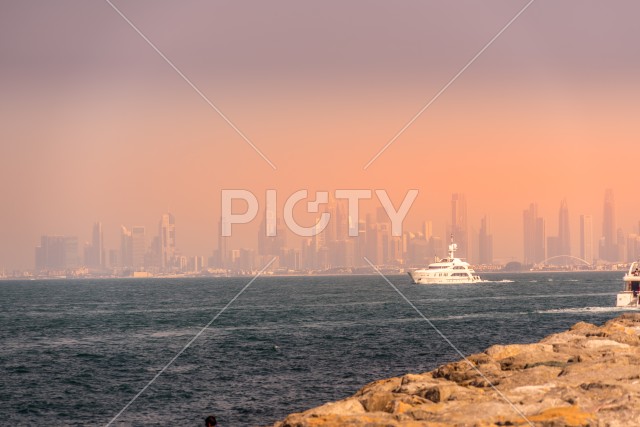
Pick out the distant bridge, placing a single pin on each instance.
(584, 261)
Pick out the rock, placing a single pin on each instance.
(586, 376)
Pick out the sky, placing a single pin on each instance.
(96, 126)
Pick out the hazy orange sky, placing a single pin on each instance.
(96, 126)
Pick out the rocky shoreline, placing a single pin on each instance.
(586, 376)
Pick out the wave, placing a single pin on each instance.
(172, 333)
(586, 310)
(498, 281)
(521, 297)
(491, 315)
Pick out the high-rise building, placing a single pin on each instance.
(114, 256)
(126, 248)
(564, 234)
(343, 222)
(534, 235)
(559, 247)
(633, 247)
(485, 242)
(138, 246)
(223, 255)
(383, 236)
(586, 238)
(272, 238)
(396, 253)
(427, 229)
(330, 232)
(608, 249)
(57, 253)
(553, 250)
(417, 250)
(459, 224)
(94, 256)
(371, 252)
(167, 241)
(360, 242)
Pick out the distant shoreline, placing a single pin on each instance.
(164, 277)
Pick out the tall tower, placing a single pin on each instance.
(459, 224)
(586, 238)
(167, 233)
(94, 255)
(138, 247)
(427, 229)
(126, 251)
(57, 253)
(97, 243)
(224, 260)
(272, 236)
(534, 235)
(485, 242)
(564, 236)
(343, 222)
(608, 243)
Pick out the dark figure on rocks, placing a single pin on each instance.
(210, 421)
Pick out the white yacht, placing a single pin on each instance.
(630, 294)
(450, 270)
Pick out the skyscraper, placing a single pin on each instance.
(534, 235)
(343, 222)
(459, 224)
(167, 240)
(132, 247)
(485, 242)
(224, 260)
(138, 247)
(372, 241)
(586, 238)
(272, 241)
(360, 243)
(126, 251)
(608, 249)
(94, 254)
(427, 229)
(57, 253)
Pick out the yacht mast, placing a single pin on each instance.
(452, 248)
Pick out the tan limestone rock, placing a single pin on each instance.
(586, 376)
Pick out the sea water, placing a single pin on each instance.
(75, 352)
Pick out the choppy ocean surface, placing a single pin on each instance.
(76, 352)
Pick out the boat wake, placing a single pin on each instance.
(498, 281)
(586, 310)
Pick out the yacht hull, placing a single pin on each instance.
(626, 299)
(447, 271)
(629, 297)
(421, 278)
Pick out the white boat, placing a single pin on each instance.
(631, 294)
(446, 271)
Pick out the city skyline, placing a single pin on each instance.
(98, 127)
(334, 248)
